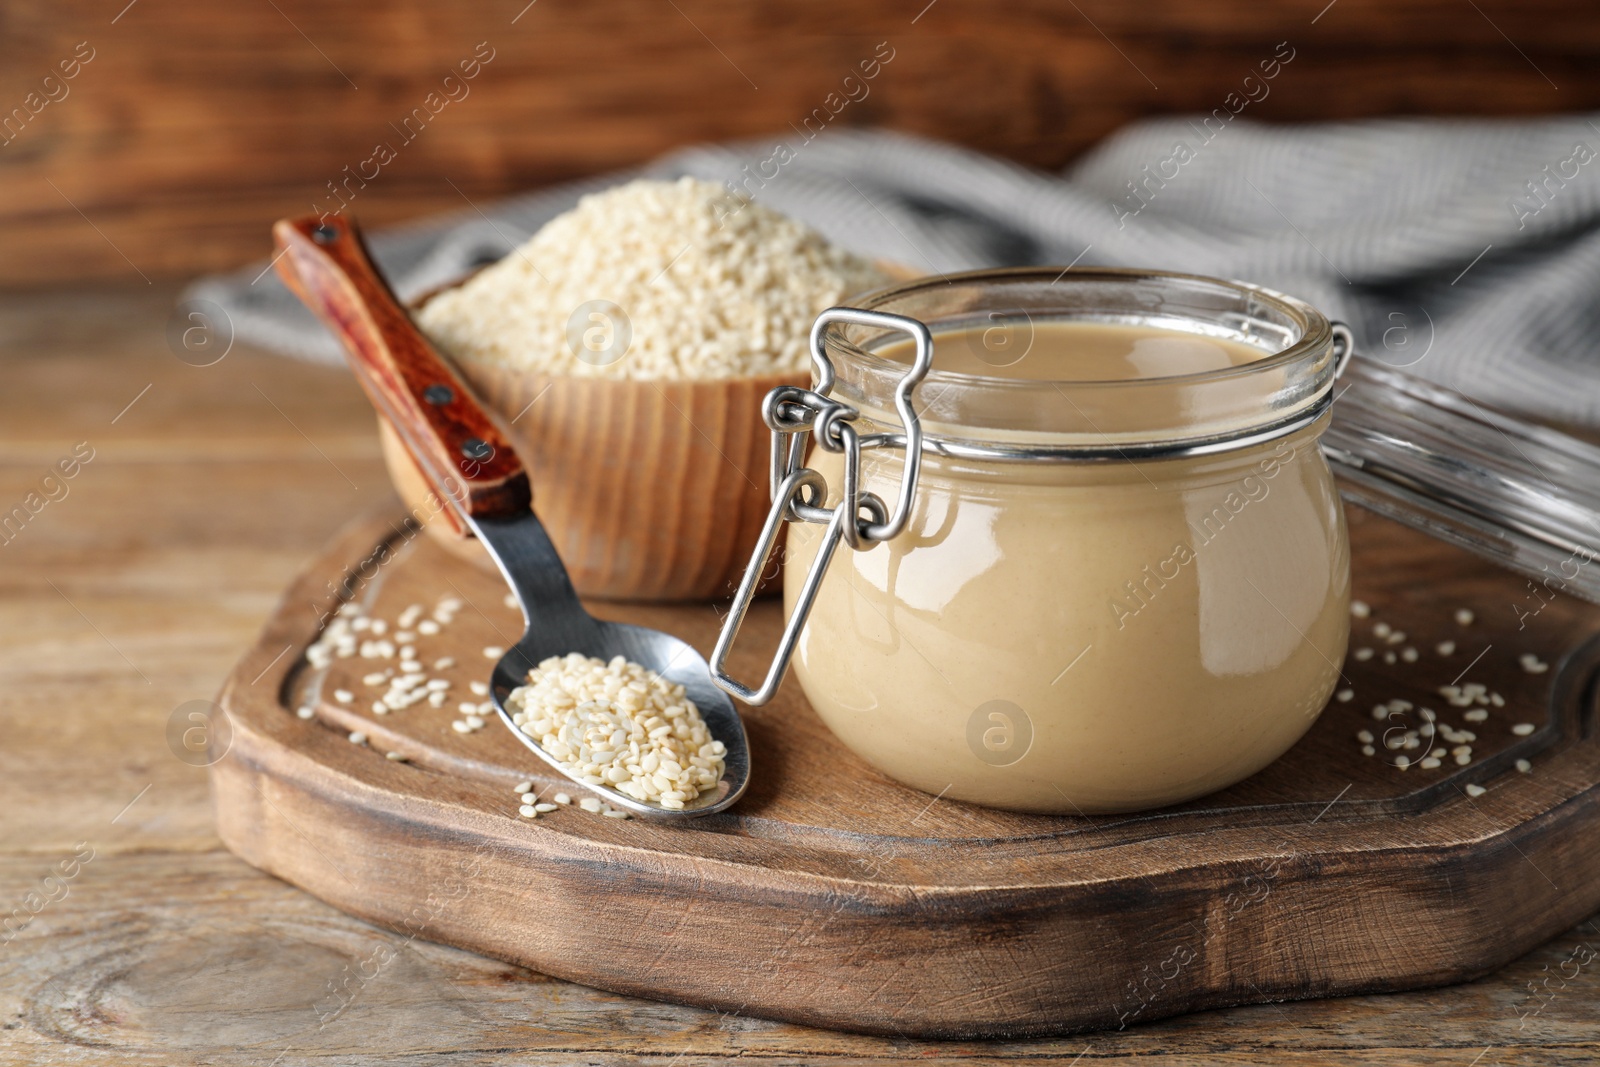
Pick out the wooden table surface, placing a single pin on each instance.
(133, 594)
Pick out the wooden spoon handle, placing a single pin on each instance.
(459, 450)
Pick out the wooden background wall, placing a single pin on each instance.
(196, 123)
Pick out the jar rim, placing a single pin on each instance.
(1289, 386)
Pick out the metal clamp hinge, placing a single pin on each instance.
(799, 494)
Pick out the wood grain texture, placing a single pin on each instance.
(676, 521)
(650, 490)
(194, 126)
(453, 443)
(833, 896)
(175, 543)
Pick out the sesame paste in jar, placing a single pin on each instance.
(1082, 637)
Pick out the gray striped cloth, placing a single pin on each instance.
(1465, 252)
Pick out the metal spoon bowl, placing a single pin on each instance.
(557, 625)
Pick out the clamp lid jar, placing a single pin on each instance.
(1092, 557)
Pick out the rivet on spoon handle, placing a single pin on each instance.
(460, 451)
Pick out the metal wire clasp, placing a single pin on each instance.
(800, 493)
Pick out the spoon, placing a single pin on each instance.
(471, 467)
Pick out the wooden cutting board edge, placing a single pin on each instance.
(870, 955)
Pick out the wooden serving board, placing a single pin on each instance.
(835, 897)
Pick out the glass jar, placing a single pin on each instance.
(1089, 596)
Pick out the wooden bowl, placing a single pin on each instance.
(651, 490)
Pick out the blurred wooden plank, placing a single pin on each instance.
(183, 957)
(194, 126)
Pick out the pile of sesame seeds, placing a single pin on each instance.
(1419, 736)
(698, 284)
(616, 724)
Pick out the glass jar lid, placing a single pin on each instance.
(1012, 418)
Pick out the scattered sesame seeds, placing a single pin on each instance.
(510, 600)
(479, 688)
(357, 737)
(305, 712)
(493, 652)
(1445, 648)
(1402, 762)
(1464, 616)
(544, 807)
(522, 787)
(427, 626)
(444, 663)
(1430, 763)
(527, 812)
(343, 696)
(589, 804)
(1396, 637)
(562, 798)
(1475, 790)
(1368, 750)
(1462, 761)
(1363, 654)
(397, 757)
(1390, 658)
(529, 797)
(1532, 664)
(1497, 700)
(1523, 729)
(1360, 609)
(1364, 736)
(1344, 696)
(1409, 655)
(1382, 629)
(613, 813)
(1476, 715)
(1524, 766)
